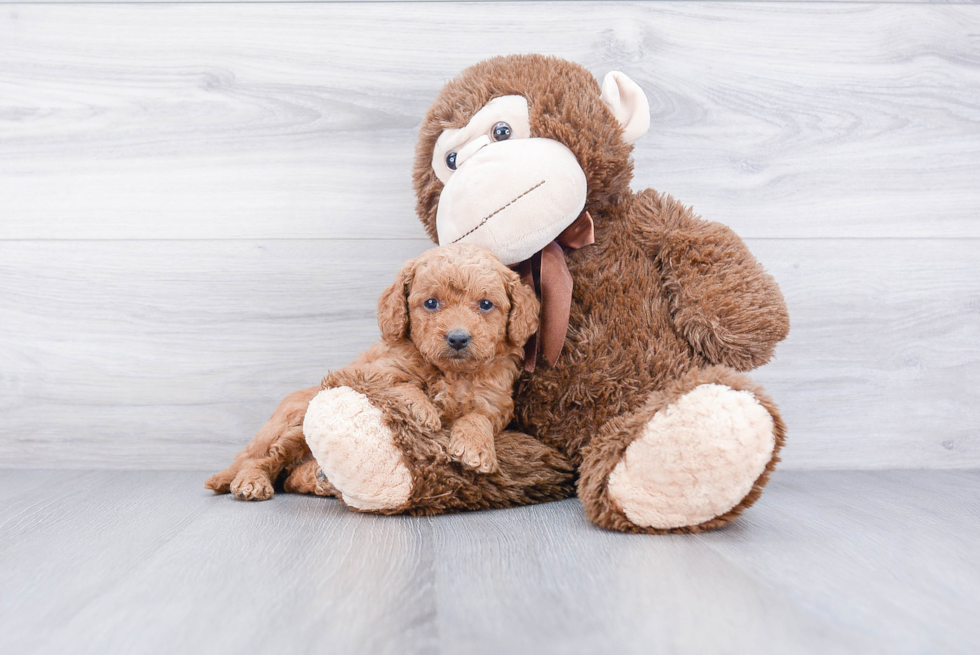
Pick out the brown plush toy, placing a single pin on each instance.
(650, 316)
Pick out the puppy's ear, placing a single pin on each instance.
(524, 308)
(393, 305)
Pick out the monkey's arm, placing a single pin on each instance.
(721, 299)
(372, 371)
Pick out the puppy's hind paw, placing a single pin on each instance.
(252, 485)
(220, 483)
(323, 486)
(307, 478)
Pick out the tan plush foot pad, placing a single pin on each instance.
(695, 460)
(356, 450)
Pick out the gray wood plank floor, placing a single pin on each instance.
(827, 562)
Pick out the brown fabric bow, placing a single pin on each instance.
(548, 273)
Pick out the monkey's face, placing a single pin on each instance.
(516, 147)
(505, 190)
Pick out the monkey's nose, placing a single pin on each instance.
(458, 339)
(471, 149)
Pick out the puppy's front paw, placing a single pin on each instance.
(427, 416)
(472, 455)
(252, 485)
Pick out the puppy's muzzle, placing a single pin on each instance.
(458, 339)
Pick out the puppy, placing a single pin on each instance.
(453, 328)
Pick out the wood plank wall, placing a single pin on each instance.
(200, 202)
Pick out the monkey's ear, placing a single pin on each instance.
(626, 100)
(393, 305)
(522, 321)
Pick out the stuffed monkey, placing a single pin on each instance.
(634, 395)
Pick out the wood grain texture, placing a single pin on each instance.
(142, 562)
(114, 353)
(172, 354)
(882, 365)
(825, 563)
(782, 120)
(149, 562)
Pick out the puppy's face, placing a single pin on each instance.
(458, 314)
(460, 307)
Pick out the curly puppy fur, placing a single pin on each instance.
(416, 374)
(663, 298)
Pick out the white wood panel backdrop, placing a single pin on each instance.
(273, 121)
(200, 202)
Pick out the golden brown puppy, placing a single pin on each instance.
(453, 328)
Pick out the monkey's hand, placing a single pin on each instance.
(721, 299)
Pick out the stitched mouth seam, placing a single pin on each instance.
(489, 216)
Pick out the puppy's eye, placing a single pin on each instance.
(451, 161)
(501, 132)
(486, 305)
(431, 303)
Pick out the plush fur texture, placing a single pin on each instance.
(355, 448)
(527, 471)
(415, 375)
(662, 299)
(695, 460)
(608, 450)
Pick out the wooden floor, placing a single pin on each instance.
(148, 562)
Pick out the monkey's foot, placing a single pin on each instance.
(357, 451)
(694, 460)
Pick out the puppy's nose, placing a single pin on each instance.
(458, 339)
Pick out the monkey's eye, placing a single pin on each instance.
(451, 161)
(486, 305)
(431, 303)
(501, 131)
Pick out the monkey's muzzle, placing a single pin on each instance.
(512, 197)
